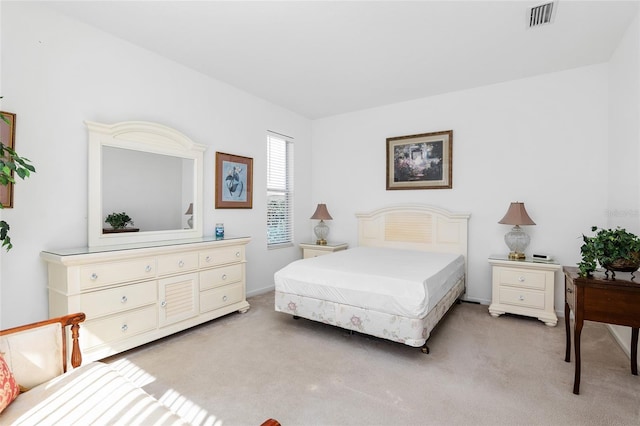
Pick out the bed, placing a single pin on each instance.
(408, 269)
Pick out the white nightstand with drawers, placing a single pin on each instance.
(315, 250)
(524, 287)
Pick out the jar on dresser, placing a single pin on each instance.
(134, 295)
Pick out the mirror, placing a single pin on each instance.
(152, 173)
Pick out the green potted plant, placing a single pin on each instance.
(10, 164)
(118, 220)
(614, 249)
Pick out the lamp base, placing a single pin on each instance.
(516, 256)
(322, 231)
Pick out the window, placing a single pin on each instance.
(279, 190)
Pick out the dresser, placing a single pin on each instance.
(132, 295)
(315, 250)
(523, 287)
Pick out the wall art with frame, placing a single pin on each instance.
(421, 161)
(8, 138)
(233, 181)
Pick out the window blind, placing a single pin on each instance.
(279, 190)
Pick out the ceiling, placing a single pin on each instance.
(322, 58)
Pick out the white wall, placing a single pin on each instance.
(56, 73)
(541, 140)
(624, 142)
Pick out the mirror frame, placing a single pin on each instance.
(146, 137)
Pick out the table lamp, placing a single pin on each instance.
(190, 211)
(321, 230)
(517, 240)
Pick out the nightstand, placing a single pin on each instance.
(524, 287)
(314, 250)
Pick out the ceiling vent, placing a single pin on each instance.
(541, 15)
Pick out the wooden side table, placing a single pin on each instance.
(314, 250)
(601, 299)
(523, 287)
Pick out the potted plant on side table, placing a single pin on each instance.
(614, 249)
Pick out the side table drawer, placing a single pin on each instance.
(118, 327)
(522, 278)
(569, 294)
(315, 253)
(530, 299)
(103, 302)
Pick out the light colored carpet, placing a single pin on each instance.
(245, 368)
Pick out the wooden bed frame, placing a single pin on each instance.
(414, 227)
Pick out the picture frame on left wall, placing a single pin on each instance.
(233, 181)
(8, 138)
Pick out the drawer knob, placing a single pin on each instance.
(521, 278)
(148, 268)
(569, 290)
(521, 297)
(163, 303)
(124, 328)
(123, 299)
(94, 276)
(224, 277)
(181, 264)
(237, 254)
(207, 259)
(224, 298)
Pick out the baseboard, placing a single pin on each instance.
(623, 340)
(476, 300)
(260, 291)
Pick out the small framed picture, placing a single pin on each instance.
(234, 181)
(8, 138)
(420, 161)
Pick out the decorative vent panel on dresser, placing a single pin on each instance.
(136, 294)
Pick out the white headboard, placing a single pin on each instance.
(414, 227)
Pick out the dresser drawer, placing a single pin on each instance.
(224, 275)
(102, 274)
(522, 278)
(221, 256)
(530, 299)
(221, 296)
(118, 327)
(113, 300)
(177, 263)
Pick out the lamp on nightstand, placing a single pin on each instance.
(321, 230)
(517, 240)
(190, 212)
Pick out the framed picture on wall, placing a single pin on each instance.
(8, 138)
(420, 161)
(234, 181)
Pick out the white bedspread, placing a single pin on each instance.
(398, 282)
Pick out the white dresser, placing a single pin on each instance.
(524, 287)
(136, 294)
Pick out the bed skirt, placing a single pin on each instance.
(410, 331)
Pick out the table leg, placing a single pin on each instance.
(577, 331)
(634, 351)
(567, 326)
